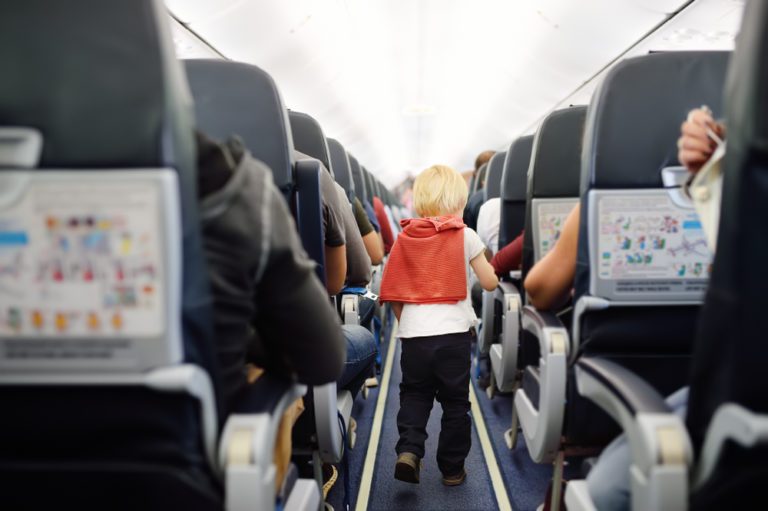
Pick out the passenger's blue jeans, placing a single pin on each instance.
(361, 353)
(608, 481)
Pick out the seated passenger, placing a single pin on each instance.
(375, 244)
(488, 223)
(261, 278)
(261, 282)
(386, 228)
(608, 481)
(472, 208)
(347, 263)
(427, 282)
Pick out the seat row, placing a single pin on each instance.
(107, 348)
(634, 329)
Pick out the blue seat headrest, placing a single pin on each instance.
(556, 154)
(361, 188)
(493, 177)
(342, 168)
(232, 98)
(515, 169)
(308, 137)
(633, 121)
(103, 89)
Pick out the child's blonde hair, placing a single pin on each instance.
(439, 190)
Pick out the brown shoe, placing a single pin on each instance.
(455, 480)
(407, 468)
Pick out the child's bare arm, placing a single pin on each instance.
(484, 271)
(397, 308)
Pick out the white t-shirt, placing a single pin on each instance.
(488, 223)
(420, 320)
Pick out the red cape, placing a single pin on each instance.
(426, 264)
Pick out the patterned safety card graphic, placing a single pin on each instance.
(81, 261)
(551, 219)
(649, 244)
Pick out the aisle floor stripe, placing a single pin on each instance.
(490, 458)
(364, 494)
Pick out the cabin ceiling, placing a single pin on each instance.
(404, 84)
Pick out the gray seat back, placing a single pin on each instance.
(553, 180)
(342, 168)
(493, 178)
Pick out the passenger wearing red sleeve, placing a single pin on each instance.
(386, 230)
(509, 258)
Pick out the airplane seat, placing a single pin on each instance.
(480, 178)
(239, 99)
(513, 188)
(493, 179)
(341, 166)
(501, 308)
(308, 137)
(552, 190)
(642, 263)
(107, 361)
(721, 448)
(361, 190)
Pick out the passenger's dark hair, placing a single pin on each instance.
(482, 158)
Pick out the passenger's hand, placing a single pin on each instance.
(695, 146)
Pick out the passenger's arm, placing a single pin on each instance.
(508, 258)
(335, 268)
(374, 246)
(550, 281)
(374, 249)
(358, 262)
(484, 271)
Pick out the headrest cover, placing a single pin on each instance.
(240, 99)
(98, 82)
(516, 168)
(308, 138)
(361, 188)
(633, 121)
(493, 178)
(342, 169)
(556, 155)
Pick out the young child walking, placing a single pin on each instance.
(427, 281)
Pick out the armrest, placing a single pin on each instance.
(731, 422)
(548, 329)
(327, 404)
(258, 414)
(659, 443)
(247, 444)
(543, 424)
(506, 288)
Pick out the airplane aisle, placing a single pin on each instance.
(477, 493)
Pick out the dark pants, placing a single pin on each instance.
(436, 367)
